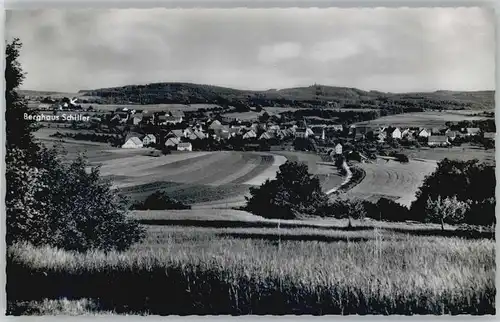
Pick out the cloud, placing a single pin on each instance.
(281, 51)
(384, 49)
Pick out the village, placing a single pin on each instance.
(215, 129)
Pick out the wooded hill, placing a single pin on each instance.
(307, 97)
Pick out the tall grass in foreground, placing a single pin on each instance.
(412, 275)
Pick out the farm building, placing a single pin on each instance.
(172, 142)
(303, 132)
(165, 119)
(215, 125)
(133, 143)
(177, 134)
(437, 130)
(338, 148)
(196, 135)
(222, 133)
(120, 117)
(184, 146)
(424, 133)
(471, 131)
(250, 135)
(438, 140)
(149, 139)
(451, 135)
(44, 106)
(137, 118)
(489, 135)
(380, 136)
(266, 136)
(395, 133)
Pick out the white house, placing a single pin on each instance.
(338, 148)
(396, 133)
(149, 139)
(424, 133)
(438, 140)
(166, 119)
(489, 135)
(133, 143)
(184, 146)
(473, 131)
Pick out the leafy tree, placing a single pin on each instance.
(293, 193)
(391, 211)
(446, 210)
(350, 209)
(469, 181)
(18, 129)
(159, 200)
(66, 206)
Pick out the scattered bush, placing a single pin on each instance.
(403, 158)
(159, 200)
(350, 209)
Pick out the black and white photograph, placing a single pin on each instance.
(250, 161)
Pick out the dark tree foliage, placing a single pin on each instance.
(469, 181)
(18, 129)
(346, 208)
(390, 210)
(159, 200)
(304, 144)
(66, 205)
(294, 193)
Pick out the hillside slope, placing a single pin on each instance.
(310, 96)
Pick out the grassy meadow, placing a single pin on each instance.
(195, 269)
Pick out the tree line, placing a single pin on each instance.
(458, 192)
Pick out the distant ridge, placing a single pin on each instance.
(307, 96)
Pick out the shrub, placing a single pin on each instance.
(350, 209)
(293, 193)
(64, 205)
(447, 210)
(468, 181)
(403, 158)
(159, 200)
(392, 211)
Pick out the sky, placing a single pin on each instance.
(390, 50)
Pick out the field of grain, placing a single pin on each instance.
(391, 179)
(464, 153)
(243, 116)
(261, 270)
(420, 119)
